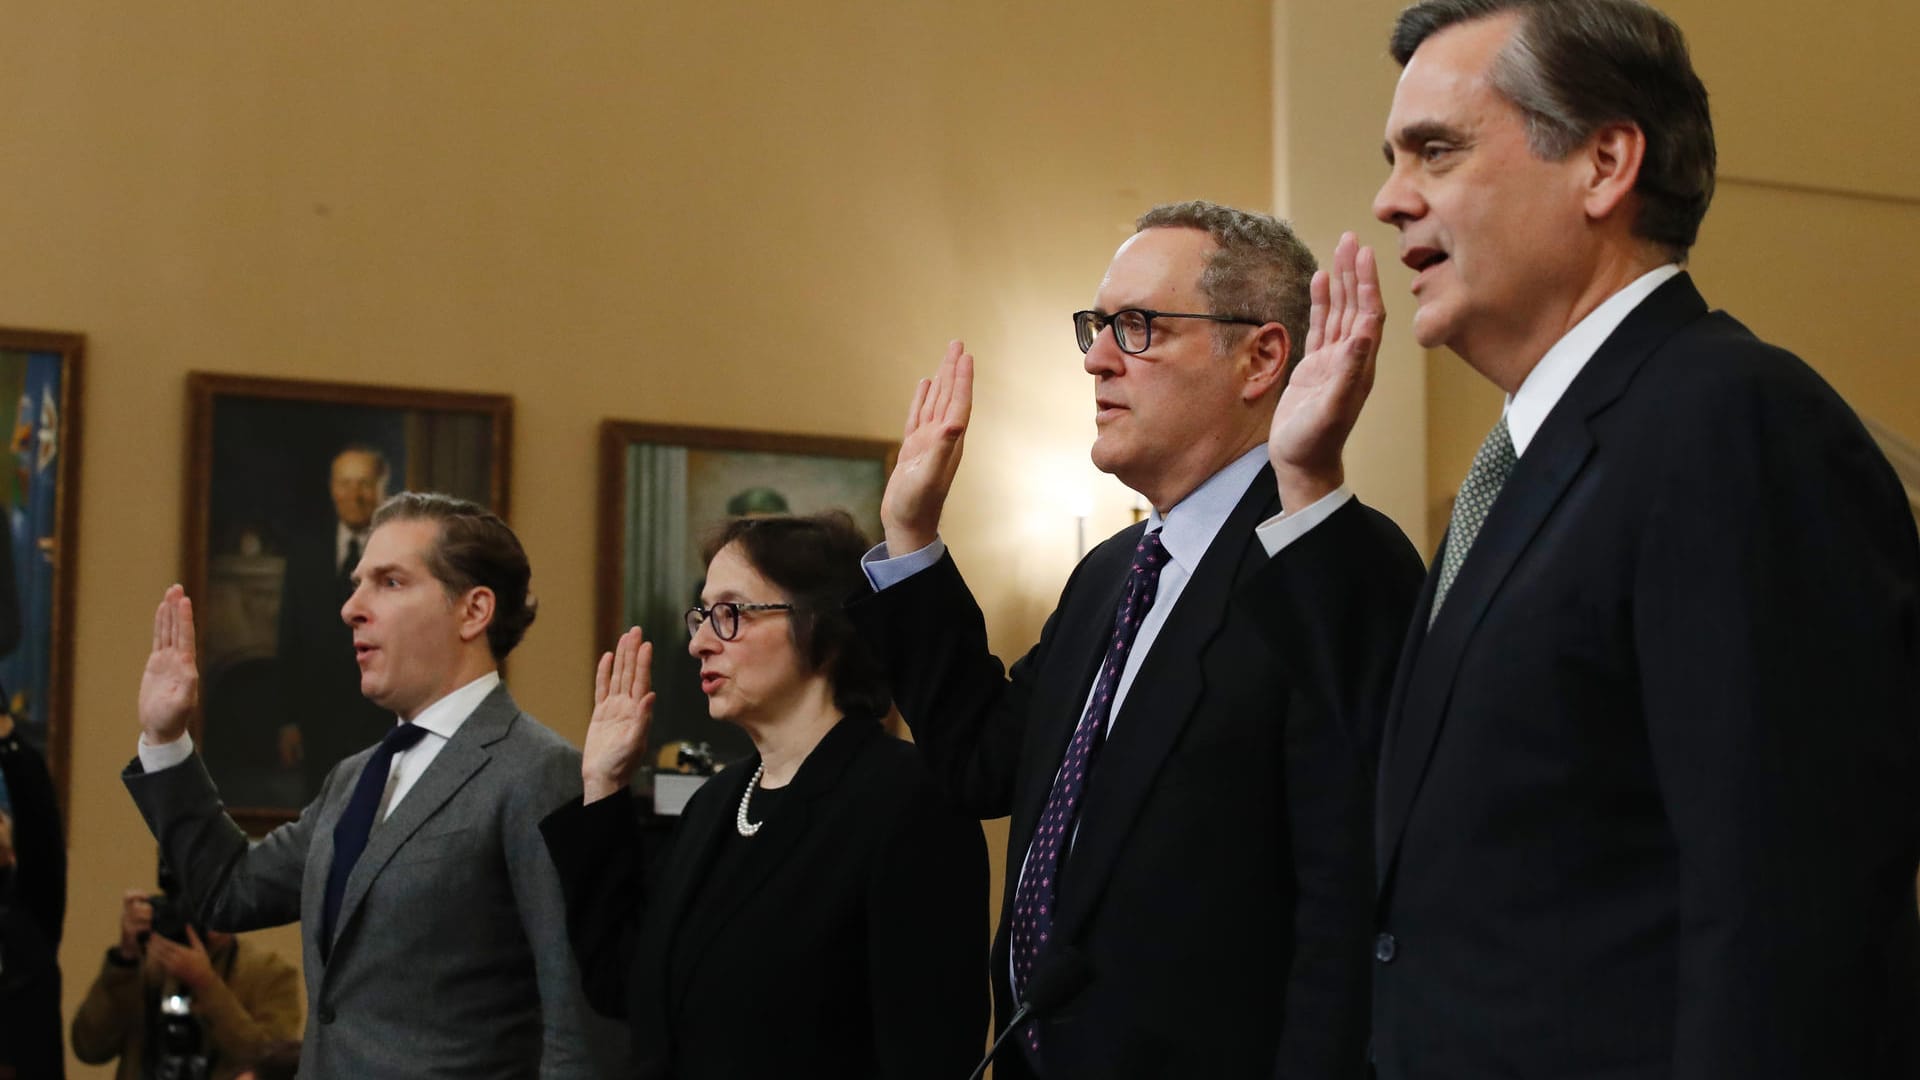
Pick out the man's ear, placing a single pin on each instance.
(1613, 155)
(1266, 361)
(476, 612)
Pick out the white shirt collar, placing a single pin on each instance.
(343, 534)
(445, 716)
(1527, 408)
(1189, 527)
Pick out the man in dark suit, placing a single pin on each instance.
(1648, 790)
(1187, 830)
(326, 717)
(435, 931)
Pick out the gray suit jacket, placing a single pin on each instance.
(450, 958)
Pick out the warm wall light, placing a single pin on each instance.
(1078, 502)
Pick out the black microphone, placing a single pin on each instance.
(1060, 975)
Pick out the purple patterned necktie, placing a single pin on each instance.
(1033, 900)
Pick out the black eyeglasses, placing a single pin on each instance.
(1133, 327)
(725, 616)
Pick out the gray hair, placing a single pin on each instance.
(1576, 65)
(1259, 269)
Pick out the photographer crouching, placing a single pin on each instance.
(175, 1001)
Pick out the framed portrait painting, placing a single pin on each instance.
(283, 477)
(39, 490)
(662, 490)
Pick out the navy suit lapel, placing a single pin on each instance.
(1544, 473)
(1158, 706)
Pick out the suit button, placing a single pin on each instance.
(326, 1014)
(1384, 947)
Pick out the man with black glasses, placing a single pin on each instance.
(1190, 833)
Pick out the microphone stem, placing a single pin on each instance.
(1019, 1015)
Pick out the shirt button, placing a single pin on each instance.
(326, 1014)
(1384, 946)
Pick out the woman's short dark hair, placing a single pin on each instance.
(474, 548)
(815, 561)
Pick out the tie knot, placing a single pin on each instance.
(1151, 554)
(402, 737)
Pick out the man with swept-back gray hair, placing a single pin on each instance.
(1650, 788)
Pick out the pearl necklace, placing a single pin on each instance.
(740, 821)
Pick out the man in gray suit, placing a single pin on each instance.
(435, 936)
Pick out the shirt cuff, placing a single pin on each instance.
(165, 755)
(884, 572)
(1283, 528)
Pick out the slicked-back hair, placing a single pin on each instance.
(1258, 270)
(474, 548)
(1575, 65)
(815, 561)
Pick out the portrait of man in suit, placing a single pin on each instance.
(286, 480)
(325, 717)
(1189, 843)
(432, 921)
(1648, 788)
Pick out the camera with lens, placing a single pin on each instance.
(180, 1052)
(169, 918)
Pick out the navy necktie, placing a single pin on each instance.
(356, 822)
(1033, 901)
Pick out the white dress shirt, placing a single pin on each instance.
(1525, 409)
(342, 536)
(440, 719)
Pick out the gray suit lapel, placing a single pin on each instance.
(464, 755)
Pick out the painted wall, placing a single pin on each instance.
(736, 214)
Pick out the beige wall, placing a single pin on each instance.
(1810, 237)
(1333, 81)
(750, 215)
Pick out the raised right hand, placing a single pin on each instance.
(171, 683)
(622, 711)
(1330, 383)
(930, 451)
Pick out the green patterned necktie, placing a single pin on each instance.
(1491, 467)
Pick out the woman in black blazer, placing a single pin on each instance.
(822, 910)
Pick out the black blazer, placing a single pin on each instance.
(851, 947)
(1219, 881)
(1648, 798)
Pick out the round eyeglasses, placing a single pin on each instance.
(725, 617)
(1133, 327)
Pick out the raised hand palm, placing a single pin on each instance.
(171, 681)
(1331, 382)
(930, 449)
(622, 709)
